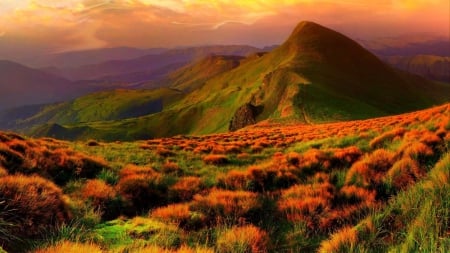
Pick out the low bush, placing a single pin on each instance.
(245, 239)
(32, 205)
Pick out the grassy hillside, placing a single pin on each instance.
(196, 74)
(377, 185)
(105, 105)
(306, 79)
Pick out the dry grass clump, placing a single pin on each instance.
(142, 187)
(215, 159)
(171, 167)
(343, 157)
(185, 188)
(306, 203)
(182, 249)
(32, 204)
(379, 141)
(404, 172)
(370, 171)
(71, 247)
(344, 240)
(247, 238)
(181, 215)
(102, 197)
(226, 205)
(59, 164)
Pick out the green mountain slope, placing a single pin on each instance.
(105, 105)
(317, 75)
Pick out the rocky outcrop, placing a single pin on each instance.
(244, 116)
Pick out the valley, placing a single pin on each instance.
(224, 126)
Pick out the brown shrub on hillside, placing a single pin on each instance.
(58, 164)
(370, 171)
(32, 204)
(181, 215)
(378, 141)
(417, 151)
(306, 203)
(185, 188)
(11, 159)
(345, 156)
(226, 205)
(71, 247)
(164, 152)
(171, 167)
(143, 187)
(342, 241)
(404, 172)
(248, 238)
(102, 197)
(235, 180)
(262, 178)
(215, 159)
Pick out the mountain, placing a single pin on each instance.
(317, 75)
(149, 63)
(119, 104)
(21, 85)
(429, 66)
(100, 106)
(194, 75)
(85, 57)
(409, 45)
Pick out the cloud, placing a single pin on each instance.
(74, 24)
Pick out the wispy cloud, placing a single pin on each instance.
(77, 24)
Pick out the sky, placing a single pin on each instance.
(30, 26)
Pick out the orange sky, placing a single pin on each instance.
(61, 25)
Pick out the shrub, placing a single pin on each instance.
(345, 156)
(143, 187)
(226, 205)
(92, 143)
(164, 152)
(185, 188)
(370, 171)
(306, 202)
(379, 141)
(215, 159)
(344, 240)
(403, 173)
(181, 215)
(103, 198)
(11, 159)
(234, 180)
(71, 247)
(246, 239)
(170, 167)
(32, 205)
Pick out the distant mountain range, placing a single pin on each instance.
(20, 85)
(144, 67)
(429, 66)
(317, 75)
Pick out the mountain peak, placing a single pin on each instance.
(308, 28)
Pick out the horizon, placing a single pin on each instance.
(33, 27)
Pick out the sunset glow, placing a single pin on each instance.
(71, 24)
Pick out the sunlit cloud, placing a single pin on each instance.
(78, 24)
